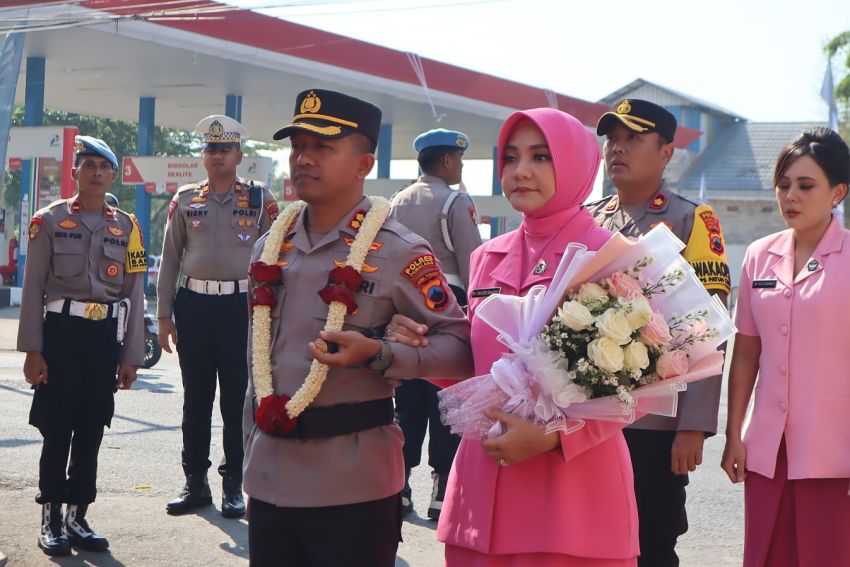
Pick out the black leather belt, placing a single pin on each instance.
(330, 421)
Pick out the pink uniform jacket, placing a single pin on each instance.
(577, 501)
(803, 388)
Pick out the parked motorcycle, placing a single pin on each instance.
(153, 351)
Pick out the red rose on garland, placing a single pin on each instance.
(271, 414)
(333, 292)
(263, 295)
(347, 276)
(263, 273)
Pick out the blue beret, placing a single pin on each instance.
(440, 138)
(88, 146)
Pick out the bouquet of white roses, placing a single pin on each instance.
(632, 325)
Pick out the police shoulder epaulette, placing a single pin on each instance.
(188, 187)
(685, 198)
(392, 225)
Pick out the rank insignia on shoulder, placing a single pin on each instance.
(658, 201)
(357, 219)
(612, 204)
(35, 227)
(67, 224)
(485, 291)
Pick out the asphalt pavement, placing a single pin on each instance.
(139, 471)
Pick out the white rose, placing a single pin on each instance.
(575, 316)
(591, 294)
(614, 325)
(569, 394)
(639, 313)
(605, 354)
(636, 357)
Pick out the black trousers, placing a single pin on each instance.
(660, 496)
(212, 344)
(417, 410)
(365, 534)
(75, 404)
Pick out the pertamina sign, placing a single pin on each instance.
(167, 174)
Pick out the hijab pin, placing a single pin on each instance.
(812, 265)
(540, 267)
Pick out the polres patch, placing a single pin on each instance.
(172, 206)
(435, 293)
(715, 236)
(421, 269)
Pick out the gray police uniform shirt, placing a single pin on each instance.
(209, 236)
(75, 254)
(419, 208)
(696, 225)
(401, 276)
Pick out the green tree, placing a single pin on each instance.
(840, 45)
(121, 137)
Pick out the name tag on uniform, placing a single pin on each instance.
(762, 284)
(485, 291)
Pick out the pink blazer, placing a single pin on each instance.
(803, 388)
(577, 501)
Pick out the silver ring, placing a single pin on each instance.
(389, 332)
(503, 462)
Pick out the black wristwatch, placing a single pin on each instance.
(382, 359)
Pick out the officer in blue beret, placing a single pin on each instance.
(81, 318)
(447, 219)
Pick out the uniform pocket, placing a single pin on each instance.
(69, 258)
(112, 264)
(244, 225)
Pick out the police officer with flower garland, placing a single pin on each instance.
(638, 147)
(323, 458)
(209, 234)
(81, 318)
(447, 219)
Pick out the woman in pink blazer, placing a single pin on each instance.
(792, 316)
(527, 498)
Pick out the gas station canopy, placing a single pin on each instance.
(102, 56)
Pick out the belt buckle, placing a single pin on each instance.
(95, 312)
(216, 290)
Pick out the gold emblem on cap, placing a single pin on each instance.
(79, 146)
(624, 107)
(216, 129)
(461, 141)
(311, 103)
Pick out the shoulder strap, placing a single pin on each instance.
(444, 220)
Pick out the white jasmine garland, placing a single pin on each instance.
(261, 334)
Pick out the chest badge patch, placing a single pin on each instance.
(196, 224)
(244, 237)
(197, 205)
(112, 270)
(114, 231)
(67, 224)
(199, 199)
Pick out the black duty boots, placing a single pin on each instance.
(232, 502)
(78, 531)
(52, 539)
(195, 494)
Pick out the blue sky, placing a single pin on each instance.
(760, 59)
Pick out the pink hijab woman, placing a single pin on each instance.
(528, 498)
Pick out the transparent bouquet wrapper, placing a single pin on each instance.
(520, 320)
